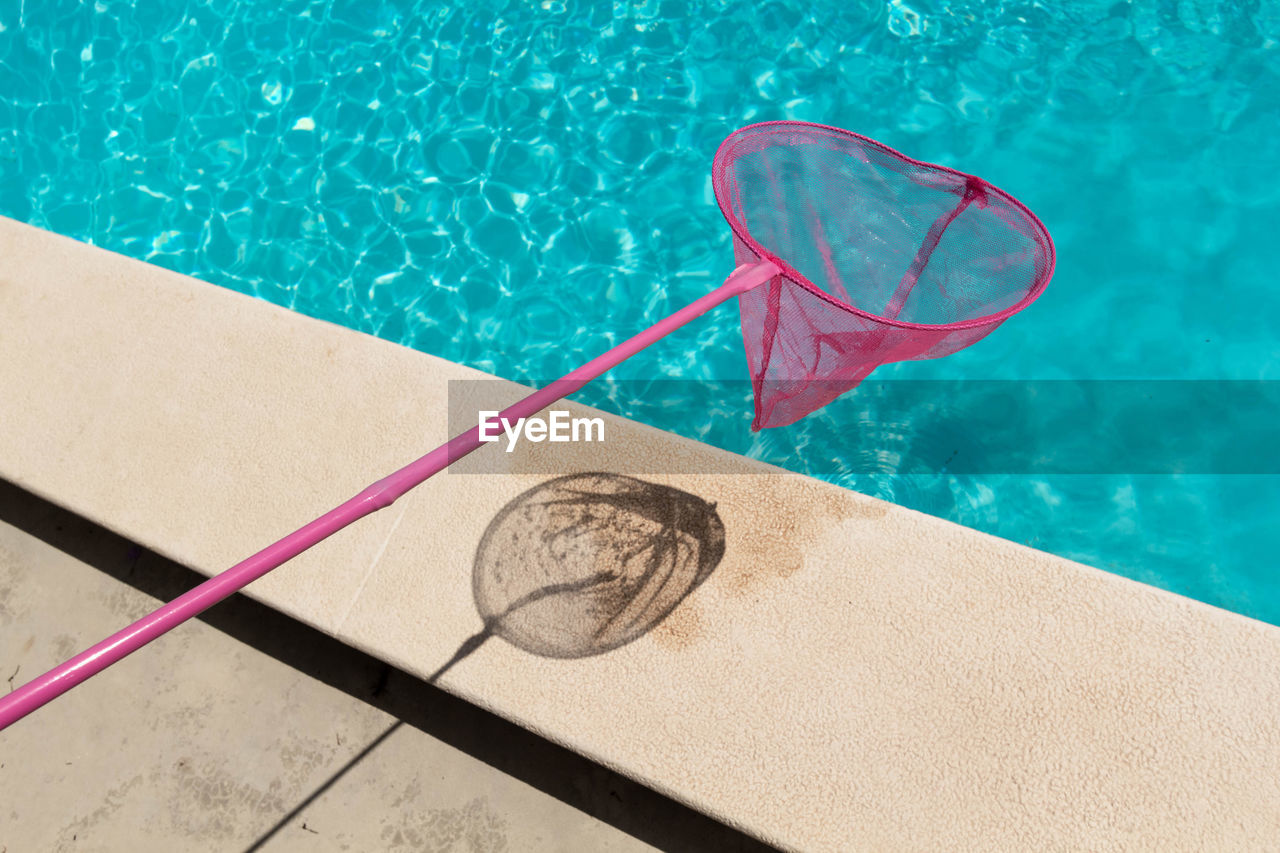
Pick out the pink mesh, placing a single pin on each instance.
(883, 259)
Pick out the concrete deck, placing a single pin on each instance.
(853, 675)
(176, 750)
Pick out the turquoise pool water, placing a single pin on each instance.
(518, 185)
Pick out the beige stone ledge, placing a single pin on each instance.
(853, 675)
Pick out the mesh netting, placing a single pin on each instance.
(883, 259)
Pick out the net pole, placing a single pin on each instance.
(52, 684)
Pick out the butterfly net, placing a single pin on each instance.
(883, 259)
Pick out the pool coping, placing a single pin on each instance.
(853, 675)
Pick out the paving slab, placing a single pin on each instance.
(177, 750)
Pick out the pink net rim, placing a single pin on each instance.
(720, 186)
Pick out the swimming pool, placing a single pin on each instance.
(516, 186)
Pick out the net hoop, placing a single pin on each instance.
(729, 150)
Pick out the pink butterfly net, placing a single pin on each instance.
(882, 258)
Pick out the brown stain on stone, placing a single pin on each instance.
(771, 521)
(682, 627)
